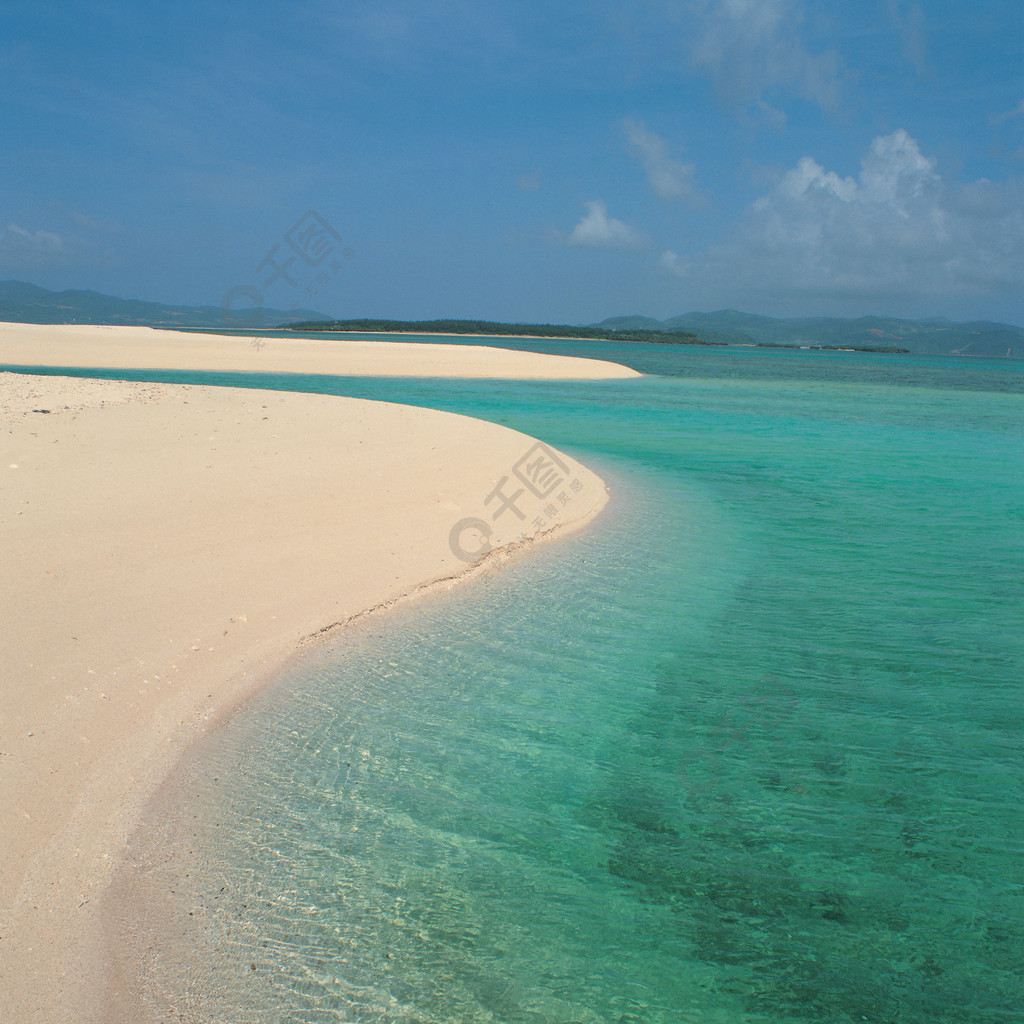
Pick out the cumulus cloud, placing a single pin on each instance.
(596, 230)
(897, 230)
(749, 47)
(668, 178)
(671, 263)
(21, 248)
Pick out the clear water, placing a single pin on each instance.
(748, 749)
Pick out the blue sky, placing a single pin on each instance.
(530, 161)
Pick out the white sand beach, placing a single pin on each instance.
(148, 348)
(165, 548)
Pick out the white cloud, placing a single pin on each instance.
(750, 46)
(896, 231)
(671, 263)
(669, 178)
(596, 230)
(459, 31)
(1008, 115)
(83, 221)
(21, 248)
(909, 21)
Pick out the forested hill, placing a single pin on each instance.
(29, 304)
(617, 329)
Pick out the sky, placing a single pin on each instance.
(530, 161)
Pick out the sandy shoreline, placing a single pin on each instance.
(164, 550)
(147, 348)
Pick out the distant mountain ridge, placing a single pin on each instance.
(934, 336)
(29, 304)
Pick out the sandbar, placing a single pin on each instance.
(149, 348)
(164, 549)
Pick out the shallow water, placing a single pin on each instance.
(748, 749)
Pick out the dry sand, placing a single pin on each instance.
(151, 349)
(163, 549)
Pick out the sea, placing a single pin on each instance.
(749, 748)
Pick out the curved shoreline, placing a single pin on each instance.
(149, 348)
(124, 997)
(158, 589)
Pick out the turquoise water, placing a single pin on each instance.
(748, 749)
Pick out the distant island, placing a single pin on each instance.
(494, 329)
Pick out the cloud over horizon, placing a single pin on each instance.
(36, 249)
(896, 230)
(669, 178)
(750, 47)
(596, 230)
